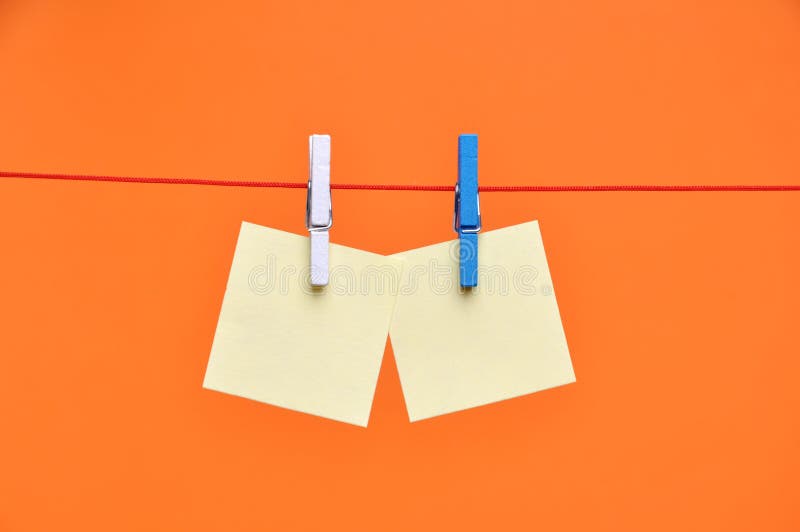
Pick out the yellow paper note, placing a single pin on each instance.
(457, 348)
(282, 342)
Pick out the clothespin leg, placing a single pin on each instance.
(468, 255)
(319, 257)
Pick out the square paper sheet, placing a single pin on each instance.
(458, 349)
(281, 342)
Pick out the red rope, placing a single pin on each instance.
(153, 180)
(425, 188)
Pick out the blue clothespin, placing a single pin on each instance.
(467, 211)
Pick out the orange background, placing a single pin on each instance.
(680, 309)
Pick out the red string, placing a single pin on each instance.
(425, 188)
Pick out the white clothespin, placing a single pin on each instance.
(319, 214)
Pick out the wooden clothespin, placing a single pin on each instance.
(467, 211)
(319, 214)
